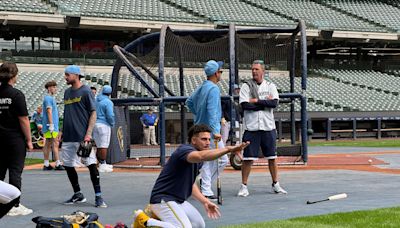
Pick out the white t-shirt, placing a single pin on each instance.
(263, 119)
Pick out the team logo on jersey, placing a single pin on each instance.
(73, 100)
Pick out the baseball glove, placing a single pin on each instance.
(85, 148)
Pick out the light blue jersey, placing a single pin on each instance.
(205, 104)
(50, 102)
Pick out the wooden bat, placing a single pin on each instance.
(334, 197)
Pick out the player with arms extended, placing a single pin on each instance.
(176, 183)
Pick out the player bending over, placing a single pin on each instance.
(176, 183)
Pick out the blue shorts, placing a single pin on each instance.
(264, 139)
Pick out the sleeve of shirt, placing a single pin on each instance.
(213, 104)
(110, 114)
(20, 105)
(244, 95)
(46, 103)
(274, 92)
(190, 104)
(185, 151)
(91, 102)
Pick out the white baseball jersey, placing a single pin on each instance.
(259, 120)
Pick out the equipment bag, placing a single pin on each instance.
(78, 219)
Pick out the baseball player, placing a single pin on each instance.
(79, 120)
(102, 129)
(205, 104)
(50, 126)
(176, 183)
(258, 98)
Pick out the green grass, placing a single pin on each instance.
(33, 161)
(352, 143)
(387, 217)
(359, 143)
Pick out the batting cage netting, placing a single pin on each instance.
(160, 70)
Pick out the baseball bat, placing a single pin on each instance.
(219, 195)
(334, 197)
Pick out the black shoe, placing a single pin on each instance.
(76, 198)
(48, 167)
(100, 202)
(212, 198)
(59, 167)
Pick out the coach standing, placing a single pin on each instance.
(258, 98)
(15, 132)
(205, 104)
(79, 120)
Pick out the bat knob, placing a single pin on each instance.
(308, 202)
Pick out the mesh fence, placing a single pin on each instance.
(184, 58)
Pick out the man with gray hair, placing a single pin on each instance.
(258, 98)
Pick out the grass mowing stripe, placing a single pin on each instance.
(386, 217)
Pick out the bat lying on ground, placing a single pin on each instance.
(334, 197)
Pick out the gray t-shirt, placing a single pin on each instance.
(79, 104)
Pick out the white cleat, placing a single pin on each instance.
(104, 168)
(276, 188)
(243, 191)
(20, 210)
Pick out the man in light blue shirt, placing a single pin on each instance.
(102, 129)
(205, 104)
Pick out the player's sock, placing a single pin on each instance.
(46, 163)
(95, 177)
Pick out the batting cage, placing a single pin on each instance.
(159, 71)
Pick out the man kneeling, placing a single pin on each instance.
(176, 183)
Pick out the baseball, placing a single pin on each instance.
(370, 161)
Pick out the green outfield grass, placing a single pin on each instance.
(387, 217)
(33, 161)
(359, 143)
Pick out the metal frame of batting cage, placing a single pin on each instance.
(161, 100)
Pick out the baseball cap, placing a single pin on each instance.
(212, 66)
(236, 86)
(73, 69)
(106, 89)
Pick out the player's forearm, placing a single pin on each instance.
(49, 116)
(251, 106)
(268, 103)
(92, 122)
(209, 155)
(197, 194)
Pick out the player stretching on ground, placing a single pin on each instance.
(258, 98)
(176, 183)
